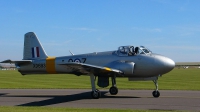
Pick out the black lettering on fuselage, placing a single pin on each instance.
(39, 65)
(83, 60)
(70, 60)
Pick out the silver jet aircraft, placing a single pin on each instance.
(135, 63)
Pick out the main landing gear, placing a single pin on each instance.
(113, 90)
(156, 93)
(95, 92)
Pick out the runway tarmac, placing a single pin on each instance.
(81, 98)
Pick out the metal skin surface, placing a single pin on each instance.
(136, 64)
(145, 65)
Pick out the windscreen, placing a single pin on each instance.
(144, 50)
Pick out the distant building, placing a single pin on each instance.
(6, 66)
(187, 65)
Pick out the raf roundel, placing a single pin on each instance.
(77, 60)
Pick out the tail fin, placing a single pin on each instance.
(32, 47)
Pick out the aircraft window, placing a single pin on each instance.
(122, 50)
(140, 51)
(125, 50)
(145, 50)
(142, 47)
(131, 50)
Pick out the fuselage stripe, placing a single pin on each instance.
(50, 65)
(33, 53)
(38, 53)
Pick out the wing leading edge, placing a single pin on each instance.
(83, 68)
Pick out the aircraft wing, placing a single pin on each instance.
(88, 68)
(17, 62)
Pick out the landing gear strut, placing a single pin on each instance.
(113, 90)
(95, 92)
(156, 93)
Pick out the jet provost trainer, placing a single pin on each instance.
(133, 62)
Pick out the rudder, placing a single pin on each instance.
(32, 47)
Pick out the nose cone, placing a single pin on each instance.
(169, 64)
(164, 64)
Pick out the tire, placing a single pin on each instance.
(156, 94)
(95, 94)
(113, 90)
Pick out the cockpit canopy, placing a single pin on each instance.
(131, 50)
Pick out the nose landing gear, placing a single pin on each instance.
(156, 93)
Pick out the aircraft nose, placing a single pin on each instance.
(169, 63)
(165, 64)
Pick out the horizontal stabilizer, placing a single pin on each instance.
(87, 68)
(17, 62)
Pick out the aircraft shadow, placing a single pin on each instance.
(2, 94)
(56, 99)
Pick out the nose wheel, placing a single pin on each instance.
(156, 93)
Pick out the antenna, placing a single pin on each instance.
(71, 52)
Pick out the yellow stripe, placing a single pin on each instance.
(50, 65)
(107, 69)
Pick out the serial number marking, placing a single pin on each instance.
(41, 65)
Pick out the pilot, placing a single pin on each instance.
(136, 50)
(131, 51)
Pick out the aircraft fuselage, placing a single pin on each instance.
(144, 65)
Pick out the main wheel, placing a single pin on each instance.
(95, 94)
(113, 90)
(156, 94)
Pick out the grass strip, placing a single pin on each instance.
(177, 79)
(59, 109)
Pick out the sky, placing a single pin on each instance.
(167, 27)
